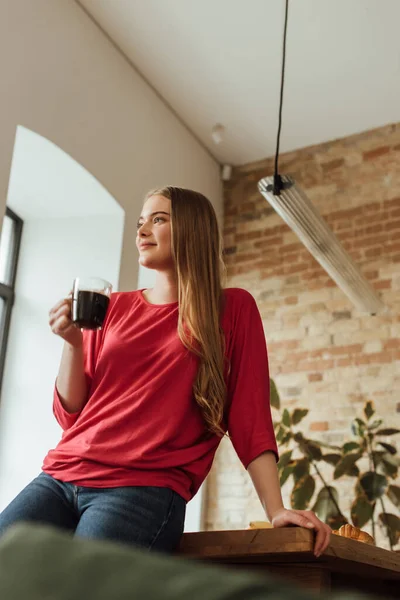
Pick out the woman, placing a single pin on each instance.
(145, 401)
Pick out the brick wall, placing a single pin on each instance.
(324, 354)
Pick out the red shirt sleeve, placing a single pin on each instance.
(249, 417)
(91, 348)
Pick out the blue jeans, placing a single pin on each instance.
(149, 517)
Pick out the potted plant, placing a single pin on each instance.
(300, 463)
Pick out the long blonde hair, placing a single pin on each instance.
(197, 252)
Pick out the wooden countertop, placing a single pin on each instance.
(290, 545)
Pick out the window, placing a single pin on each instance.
(10, 240)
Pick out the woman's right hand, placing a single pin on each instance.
(61, 323)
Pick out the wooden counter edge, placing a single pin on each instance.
(281, 543)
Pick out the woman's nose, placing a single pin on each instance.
(143, 230)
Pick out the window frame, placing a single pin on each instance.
(7, 292)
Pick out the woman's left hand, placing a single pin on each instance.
(308, 519)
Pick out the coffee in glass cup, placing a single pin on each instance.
(90, 300)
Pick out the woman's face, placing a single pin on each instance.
(153, 238)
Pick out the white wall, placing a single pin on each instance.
(53, 252)
(63, 79)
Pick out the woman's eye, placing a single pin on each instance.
(158, 219)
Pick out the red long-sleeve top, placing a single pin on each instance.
(141, 425)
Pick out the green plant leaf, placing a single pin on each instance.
(374, 485)
(358, 427)
(388, 431)
(336, 521)
(388, 466)
(286, 438)
(274, 395)
(388, 447)
(369, 409)
(280, 433)
(375, 424)
(324, 506)
(285, 474)
(331, 458)
(284, 459)
(392, 524)
(301, 469)
(310, 449)
(349, 446)
(298, 415)
(353, 471)
(361, 511)
(393, 494)
(286, 418)
(377, 456)
(302, 492)
(346, 464)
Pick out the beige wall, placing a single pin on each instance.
(62, 78)
(324, 355)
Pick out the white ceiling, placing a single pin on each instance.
(218, 61)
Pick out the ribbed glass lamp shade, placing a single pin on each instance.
(299, 213)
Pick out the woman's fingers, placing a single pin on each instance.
(60, 316)
(305, 518)
(323, 532)
(56, 307)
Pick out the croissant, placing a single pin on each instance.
(259, 525)
(354, 533)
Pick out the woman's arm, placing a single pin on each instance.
(264, 475)
(71, 380)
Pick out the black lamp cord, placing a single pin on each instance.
(277, 180)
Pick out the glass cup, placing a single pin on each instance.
(90, 300)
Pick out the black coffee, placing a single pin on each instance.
(89, 309)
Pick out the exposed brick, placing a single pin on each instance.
(291, 248)
(372, 207)
(289, 269)
(268, 243)
(373, 240)
(392, 225)
(351, 349)
(373, 252)
(229, 230)
(379, 357)
(231, 250)
(376, 153)
(384, 284)
(323, 345)
(291, 300)
(371, 274)
(231, 211)
(341, 314)
(319, 426)
(392, 344)
(391, 248)
(315, 377)
(332, 164)
(345, 214)
(251, 256)
(392, 203)
(395, 213)
(373, 229)
(250, 235)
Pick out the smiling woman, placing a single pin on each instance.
(154, 233)
(145, 401)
